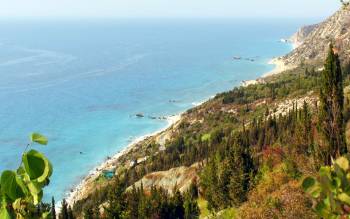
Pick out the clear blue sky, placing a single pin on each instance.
(167, 8)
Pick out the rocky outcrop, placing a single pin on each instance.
(179, 177)
(299, 37)
(316, 38)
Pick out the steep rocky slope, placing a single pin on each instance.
(315, 39)
(299, 37)
(179, 177)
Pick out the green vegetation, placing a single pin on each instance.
(22, 190)
(137, 203)
(332, 190)
(331, 120)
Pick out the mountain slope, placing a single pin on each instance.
(335, 29)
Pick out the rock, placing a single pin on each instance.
(299, 37)
(182, 177)
(140, 115)
(237, 58)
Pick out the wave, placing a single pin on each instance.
(38, 57)
(68, 77)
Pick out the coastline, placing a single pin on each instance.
(279, 66)
(80, 191)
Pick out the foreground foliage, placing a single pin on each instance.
(22, 190)
(331, 189)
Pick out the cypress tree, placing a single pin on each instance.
(331, 121)
(64, 210)
(178, 204)
(191, 209)
(70, 213)
(53, 210)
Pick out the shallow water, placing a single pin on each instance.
(81, 82)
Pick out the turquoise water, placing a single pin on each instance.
(81, 82)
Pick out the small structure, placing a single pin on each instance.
(108, 174)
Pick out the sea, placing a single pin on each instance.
(81, 82)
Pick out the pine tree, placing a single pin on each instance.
(70, 213)
(331, 121)
(178, 204)
(115, 200)
(241, 167)
(191, 207)
(88, 214)
(193, 190)
(64, 210)
(53, 210)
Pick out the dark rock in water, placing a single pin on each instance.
(81, 152)
(250, 59)
(237, 58)
(140, 115)
(152, 117)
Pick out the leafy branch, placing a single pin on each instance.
(331, 189)
(22, 190)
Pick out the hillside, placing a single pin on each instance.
(313, 40)
(299, 37)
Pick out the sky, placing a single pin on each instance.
(167, 8)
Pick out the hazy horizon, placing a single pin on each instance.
(82, 9)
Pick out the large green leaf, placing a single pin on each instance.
(4, 214)
(38, 138)
(11, 185)
(37, 166)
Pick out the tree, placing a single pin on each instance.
(331, 121)
(64, 210)
(345, 2)
(191, 207)
(115, 200)
(178, 204)
(70, 213)
(53, 210)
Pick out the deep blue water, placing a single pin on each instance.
(80, 82)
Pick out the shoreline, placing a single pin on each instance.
(79, 191)
(279, 67)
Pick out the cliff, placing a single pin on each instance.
(299, 37)
(313, 40)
